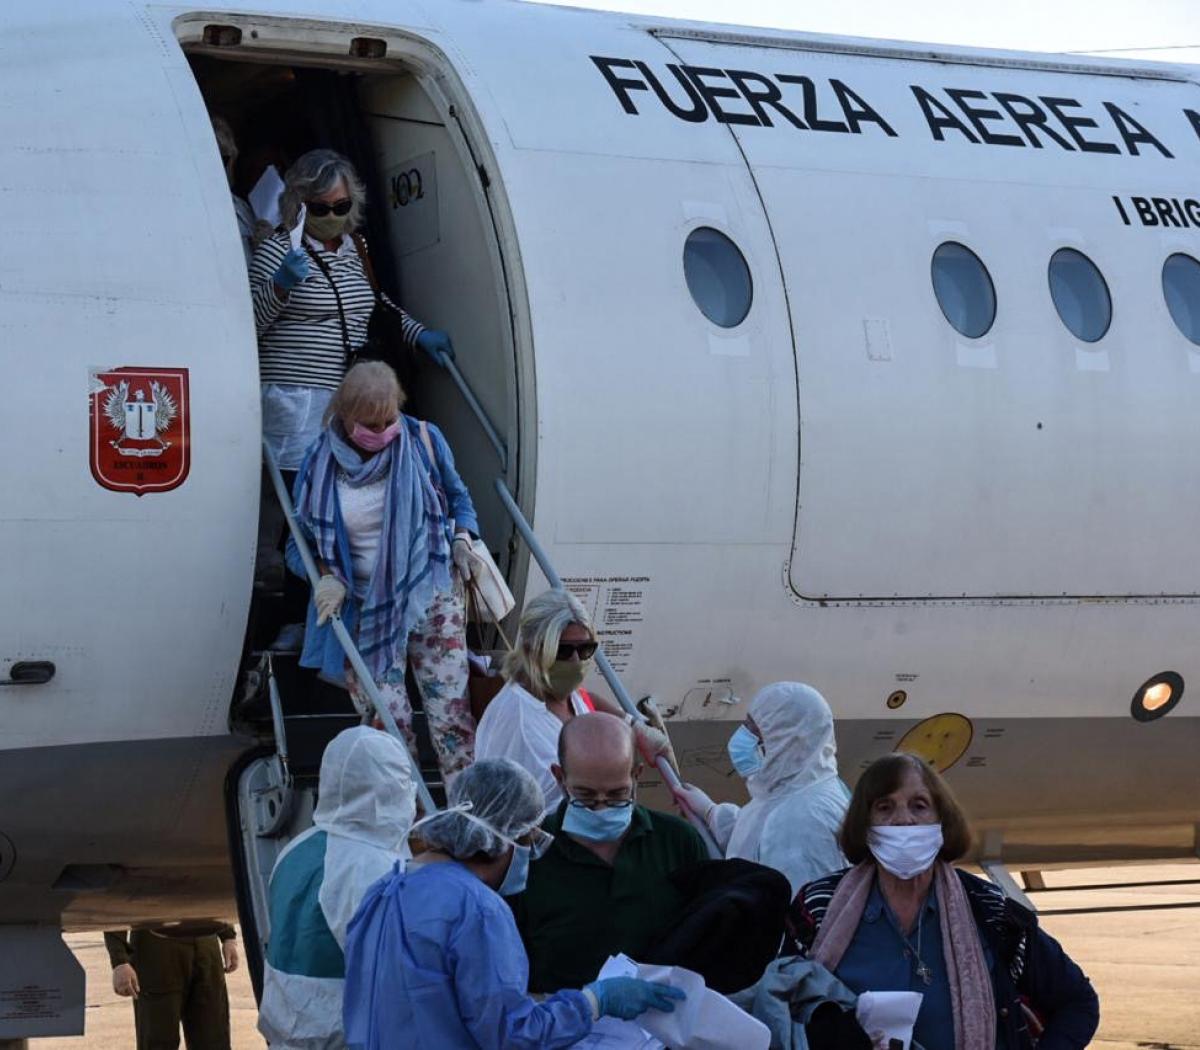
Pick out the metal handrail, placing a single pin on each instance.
(468, 394)
(343, 636)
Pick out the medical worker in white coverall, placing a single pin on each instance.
(360, 829)
(787, 753)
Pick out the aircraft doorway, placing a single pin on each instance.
(436, 248)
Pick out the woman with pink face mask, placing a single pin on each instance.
(390, 522)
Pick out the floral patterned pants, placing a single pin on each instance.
(437, 653)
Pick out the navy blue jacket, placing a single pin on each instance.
(1031, 971)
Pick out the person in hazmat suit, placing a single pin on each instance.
(433, 958)
(360, 829)
(787, 752)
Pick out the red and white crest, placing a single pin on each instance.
(140, 429)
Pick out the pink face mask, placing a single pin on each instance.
(373, 441)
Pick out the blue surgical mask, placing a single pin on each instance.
(597, 825)
(745, 752)
(518, 873)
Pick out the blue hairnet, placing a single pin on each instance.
(491, 801)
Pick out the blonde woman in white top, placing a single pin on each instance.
(554, 653)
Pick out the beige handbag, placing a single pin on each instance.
(492, 599)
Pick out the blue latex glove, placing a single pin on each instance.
(628, 997)
(292, 270)
(436, 344)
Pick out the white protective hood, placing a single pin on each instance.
(366, 806)
(797, 800)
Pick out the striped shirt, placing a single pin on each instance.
(300, 339)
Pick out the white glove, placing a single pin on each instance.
(650, 742)
(465, 562)
(697, 801)
(328, 596)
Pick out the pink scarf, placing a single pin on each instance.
(970, 984)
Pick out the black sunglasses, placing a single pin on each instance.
(320, 209)
(586, 650)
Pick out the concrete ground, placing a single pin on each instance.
(1145, 965)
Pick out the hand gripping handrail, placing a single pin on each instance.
(343, 636)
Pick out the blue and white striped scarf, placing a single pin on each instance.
(414, 552)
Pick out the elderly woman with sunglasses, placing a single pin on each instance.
(554, 653)
(312, 304)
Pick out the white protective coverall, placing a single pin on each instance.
(360, 828)
(797, 801)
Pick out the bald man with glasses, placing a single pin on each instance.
(604, 886)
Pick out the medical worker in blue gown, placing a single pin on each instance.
(434, 960)
(360, 829)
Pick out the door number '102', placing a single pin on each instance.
(406, 187)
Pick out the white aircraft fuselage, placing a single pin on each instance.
(840, 487)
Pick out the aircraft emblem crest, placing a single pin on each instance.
(140, 428)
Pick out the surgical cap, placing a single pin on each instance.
(496, 799)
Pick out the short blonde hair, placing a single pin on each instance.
(369, 388)
(542, 624)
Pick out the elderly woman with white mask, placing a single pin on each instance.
(554, 653)
(905, 919)
(787, 753)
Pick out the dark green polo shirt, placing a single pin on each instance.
(577, 910)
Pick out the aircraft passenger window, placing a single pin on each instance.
(1080, 294)
(717, 276)
(1181, 288)
(964, 289)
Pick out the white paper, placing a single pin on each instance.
(297, 232)
(891, 1013)
(264, 198)
(705, 1020)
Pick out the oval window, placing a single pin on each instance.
(1080, 294)
(964, 289)
(1181, 288)
(717, 276)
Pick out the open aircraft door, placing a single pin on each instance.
(994, 464)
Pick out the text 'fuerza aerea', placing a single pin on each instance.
(992, 118)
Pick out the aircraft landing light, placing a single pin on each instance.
(1157, 697)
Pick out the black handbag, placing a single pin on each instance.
(385, 329)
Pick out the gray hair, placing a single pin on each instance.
(315, 173)
(226, 142)
(542, 624)
(491, 801)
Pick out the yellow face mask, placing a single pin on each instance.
(326, 227)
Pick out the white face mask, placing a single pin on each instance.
(905, 850)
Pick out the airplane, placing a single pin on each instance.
(867, 363)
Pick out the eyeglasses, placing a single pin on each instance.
(538, 842)
(596, 803)
(320, 208)
(586, 650)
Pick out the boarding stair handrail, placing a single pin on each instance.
(365, 679)
(606, 669)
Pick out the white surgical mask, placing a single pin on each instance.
(905, 850)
